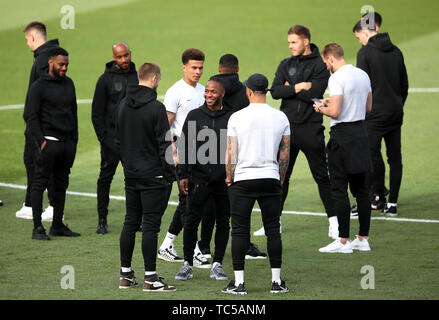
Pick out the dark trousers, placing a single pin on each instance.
(55, 159)
(243, 194)
(349, 165)
(392, 138)
(109, 161)
(146, 201)
(310, 139)
(177, 220)
(198, 196)
(207, 224)
(29, 163)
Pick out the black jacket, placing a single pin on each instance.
(189, 165)
(235, 97)
(310, 68)
(142, 128)
(53, 109)
(110, 89)
(384, 63)
(39, 67)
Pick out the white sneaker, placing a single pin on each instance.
(169, 254)
(47, 215)
(24, 213)
(260, 232)
(360, 245)
(201, 262)
(333, 232)
(337, 246)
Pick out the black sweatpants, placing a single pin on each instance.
(146, 200)
(29, 163)
(110, 158)
(392, 138)
(55, 159)
(243, 194)
(350, 165)
(310, 139)
(198, 196)
(207, 224)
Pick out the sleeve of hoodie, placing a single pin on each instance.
(362, 60)
(161, 130)
(75, 116)
(319, 82)
(404, 80)
(182, 150)
(34, 107)
(98, 108)
(278, 89)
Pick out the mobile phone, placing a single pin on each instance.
(317, 100)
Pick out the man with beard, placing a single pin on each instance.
(202, 174)
(35, 35)
(142, 126)
(53, 124)
(298, 80)
(110, 89)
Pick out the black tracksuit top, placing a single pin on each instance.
(142, 126)
(53, 109)
(212, 172)
(309, 68)
(39, 67)
(110, 89)
(235, 97)
(384, 63)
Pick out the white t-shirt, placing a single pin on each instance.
(180, 99)
(259, 129)
(354, 85)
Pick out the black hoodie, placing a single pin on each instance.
(110, 89)
(309, 68)
(235, 97)
(189, 160)
(53, 109)
(142, 127)
(39, 67)
(384, 63)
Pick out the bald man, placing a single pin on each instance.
(110, 89)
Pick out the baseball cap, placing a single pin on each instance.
(257, 82)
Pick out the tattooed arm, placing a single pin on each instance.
(284, 157)
(231, 159)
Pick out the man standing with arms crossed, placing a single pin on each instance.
(384, 63)
(258, 142)
(142, 126)
(298, 80)
(185, 95)
(36, 39)
(110, 89)
(53, 125)
(348, 148)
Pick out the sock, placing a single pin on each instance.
(275, 275)
(389, 204)
(239, 277)
(126, 270)
(150, 273)
(168, 241)
(333, 221)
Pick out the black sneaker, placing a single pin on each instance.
(378, 203)
(389, 211)
(102, 227)
(39, 233)
(231, 288)
(63, 231)
(206, 252)
(254, 253)
(279, 288)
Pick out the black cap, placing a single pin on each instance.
(257, 82)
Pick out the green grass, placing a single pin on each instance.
(405, 255)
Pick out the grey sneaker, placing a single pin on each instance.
(186, 272)
(217, 272)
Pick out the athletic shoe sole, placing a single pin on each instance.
(234, 292)
(184, 279)
(279, 291)
(248, 257)
(165, 258)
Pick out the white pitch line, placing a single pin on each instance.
(173, 203)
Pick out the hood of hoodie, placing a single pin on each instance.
(315, 53)
(48, 77)
(111, 67)
(230, 82)
(214, 114)
(139, 96)
(46, 47)
(381, 41)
